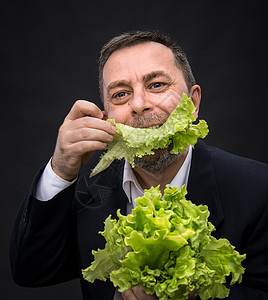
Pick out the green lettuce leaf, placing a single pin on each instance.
(165, 246)
(107, 259)
(130, 142)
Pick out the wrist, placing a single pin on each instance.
(50, 184)
(61, 173)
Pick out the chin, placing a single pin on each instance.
(157, 162)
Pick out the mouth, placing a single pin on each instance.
(148, 127)
(155, 126)
(151, 121)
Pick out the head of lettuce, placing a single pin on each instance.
(165, 246)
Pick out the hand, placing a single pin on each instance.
(136, 293)
(83, 131)
(192, 295)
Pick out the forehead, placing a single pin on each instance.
(138, 60)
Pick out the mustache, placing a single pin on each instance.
(148, 120)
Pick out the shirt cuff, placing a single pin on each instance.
(50, 184)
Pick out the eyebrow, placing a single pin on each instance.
(146, 78)
(116, 84)
(156, 74)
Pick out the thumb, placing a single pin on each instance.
(83, 108)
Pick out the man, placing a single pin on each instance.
(141, 73)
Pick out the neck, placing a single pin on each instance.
(147, 179)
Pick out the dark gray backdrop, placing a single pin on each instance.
(49, 54)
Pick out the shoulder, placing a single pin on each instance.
(242, 189)
(235, 176)
(239, 177)
(234, 163)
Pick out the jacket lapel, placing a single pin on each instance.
(202, 186)
(109, 187)
(103, 189)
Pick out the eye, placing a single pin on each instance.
(120, 95)
(157, 85)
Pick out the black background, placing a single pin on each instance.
(49, 59)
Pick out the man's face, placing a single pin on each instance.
(142, 85)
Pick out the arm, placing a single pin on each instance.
(43, 242)
(243, 292)
(42, 250)
(254, 285)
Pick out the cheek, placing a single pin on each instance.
(169, 101)
(168, 105)
(119, 114)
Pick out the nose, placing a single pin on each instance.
(139, 103)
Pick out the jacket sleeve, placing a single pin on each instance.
(254, 285)
(242, 292)
(43, 243)
(256, 263)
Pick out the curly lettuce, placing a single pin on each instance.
(165, 246)
(130, 142)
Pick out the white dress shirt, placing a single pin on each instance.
(133, 189)
(51, 184)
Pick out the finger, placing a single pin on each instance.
(129, 295)
(141, 295)
(83, 108)
(89, 122)
(192, 295)
(83, 147)
(88, 134)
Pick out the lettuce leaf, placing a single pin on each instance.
(130, 142)
(165, 246)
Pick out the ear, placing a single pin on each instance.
(195, 95)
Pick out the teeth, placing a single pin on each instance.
(154, 127)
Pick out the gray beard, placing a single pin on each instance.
(158, 162)
(162, 158)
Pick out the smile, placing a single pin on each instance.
(155, 126)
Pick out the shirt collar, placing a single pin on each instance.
(182, 176)
(130, 183)
(133, 189)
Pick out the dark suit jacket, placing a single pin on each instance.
(53, 240)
